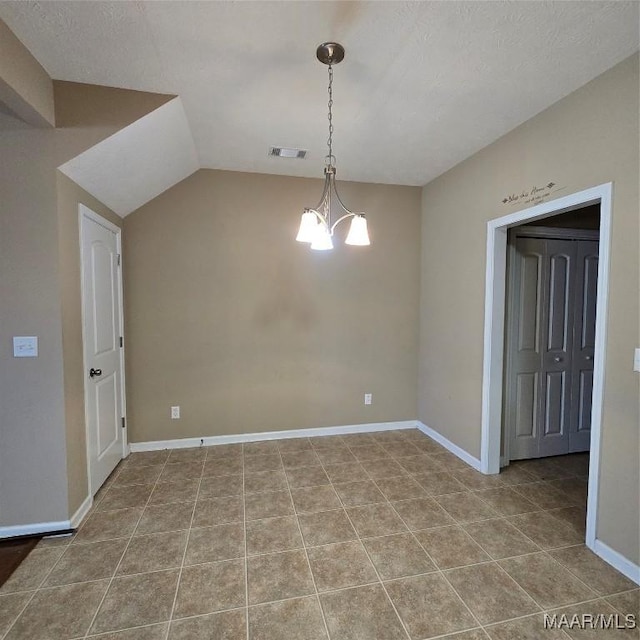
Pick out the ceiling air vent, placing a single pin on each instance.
(285, 152)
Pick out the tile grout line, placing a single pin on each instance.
(449, 636)
(616, 608)
(246, 555)
(130, 538)
(186, 547)
(302, 540)
(543, 611)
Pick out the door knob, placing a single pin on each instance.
(587, 358)
(557, 359)
(94, 372)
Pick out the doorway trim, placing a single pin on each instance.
(494, 316)
(85, 213)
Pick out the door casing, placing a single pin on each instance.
(495, 300)
(85, 213)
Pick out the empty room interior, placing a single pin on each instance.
(320, 320)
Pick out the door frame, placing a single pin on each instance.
(85, 213)
(494, 321)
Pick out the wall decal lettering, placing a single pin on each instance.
(535, 195)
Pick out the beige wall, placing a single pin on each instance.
(589, 138)
(25, 87)
(39, 289)
(90, 106)
(70, 196)
(32, 445)
(248, 330)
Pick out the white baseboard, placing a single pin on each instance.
(34, 529)
(184, 443)
(81, 512)
(447, 444)
(617, 560)
(48, 527)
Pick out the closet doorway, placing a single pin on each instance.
(552, 274)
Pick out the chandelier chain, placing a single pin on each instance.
(330, 116)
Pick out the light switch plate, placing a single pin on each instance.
(636, 360)
(25, 346)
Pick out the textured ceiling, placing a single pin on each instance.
(423, 86)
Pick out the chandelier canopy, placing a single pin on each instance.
(317, 225)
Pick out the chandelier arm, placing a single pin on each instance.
(325, 191)
(344, 217)
(342, 204)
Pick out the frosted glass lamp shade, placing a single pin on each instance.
(308, 227)
(358, 233)
(322, 240)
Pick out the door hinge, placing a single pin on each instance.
(121, 342)
(124, 424)
(118, 259)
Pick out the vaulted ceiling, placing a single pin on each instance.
(423, 85)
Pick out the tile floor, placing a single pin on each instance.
(362, 537)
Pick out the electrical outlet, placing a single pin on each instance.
(368, 398)
(636, 360)
(175, 413)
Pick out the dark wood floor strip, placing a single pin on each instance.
(12, 553)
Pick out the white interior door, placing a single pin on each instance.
(102, 318)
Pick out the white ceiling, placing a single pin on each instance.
(139, 162)
(423, 86)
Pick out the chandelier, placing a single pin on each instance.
(317, 225)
